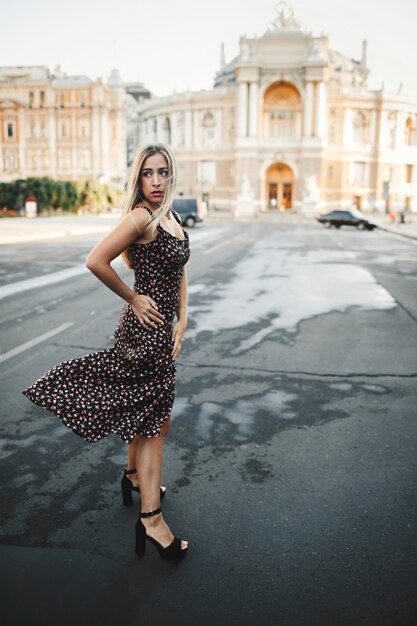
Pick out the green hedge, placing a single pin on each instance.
(52, 194)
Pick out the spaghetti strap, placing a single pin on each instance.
(177, 217)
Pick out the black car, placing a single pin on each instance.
(189, 209)
(345, 218)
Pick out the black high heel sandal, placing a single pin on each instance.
(128, 487)
(173, 552)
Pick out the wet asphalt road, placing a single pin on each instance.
(290, 464)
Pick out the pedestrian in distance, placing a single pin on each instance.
(129, 389)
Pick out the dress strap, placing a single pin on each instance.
(177, 217)
(143, 206)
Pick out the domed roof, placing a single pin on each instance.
(227, 74)
(341, 63)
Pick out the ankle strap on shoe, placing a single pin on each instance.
(131, 471)
(151, 513)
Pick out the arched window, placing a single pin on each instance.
(360, 128)
(282, 112)
(392, 128)
(410, 131)
(167, 130)
(209, 123)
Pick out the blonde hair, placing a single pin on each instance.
(134, 195)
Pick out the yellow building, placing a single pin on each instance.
(66, 127)
(290, 124)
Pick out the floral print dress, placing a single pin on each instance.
(128, 389)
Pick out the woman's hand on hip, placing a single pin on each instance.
(177, 335)
(146, 310)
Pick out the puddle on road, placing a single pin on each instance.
(278, 288)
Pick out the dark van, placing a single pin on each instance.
(189, 209)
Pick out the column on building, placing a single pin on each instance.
(75, 159)
(243, 96)
(52, 142)
(188, 128)
(348, 128)
(22, 139)
(105, 143)
(400, 130)
(308, 110)
(96, 141)
(196, 128)
(253, 109)
(173, 117)
(321, 109)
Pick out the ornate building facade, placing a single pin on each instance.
(65, 127)
(290, 124)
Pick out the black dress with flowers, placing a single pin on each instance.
(128, 389)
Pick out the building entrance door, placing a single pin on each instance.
(280, 187)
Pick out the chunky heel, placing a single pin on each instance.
(126, 491)
(140, 538)
(173, 552)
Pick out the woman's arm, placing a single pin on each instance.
(181, 311)
(99, 259)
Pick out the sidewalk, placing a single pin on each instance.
(409, 229)
(41, 229)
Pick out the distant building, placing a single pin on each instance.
(290, 124)
(66, 127)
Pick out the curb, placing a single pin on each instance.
(393, 232)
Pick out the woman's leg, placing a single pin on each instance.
(149, 457)
(132, 453)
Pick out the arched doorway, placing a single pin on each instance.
(279, 193)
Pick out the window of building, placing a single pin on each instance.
(209, 123)
(10, 130)
(360, 128)
(357, 173)
(10, 160)
(31, 97)
(330, 172)
(408, 173)
(410, 131)
(155, 129)
(392, 128)
(64, 130)
(282, 111)
(85, 160)
(42, 97)
(167, 130)
(32, 130)
(84, 129)
(207, 172)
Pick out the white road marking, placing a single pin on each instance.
(47, 279)
(33, 342)
(41, 281)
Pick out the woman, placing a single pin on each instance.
(129, 389)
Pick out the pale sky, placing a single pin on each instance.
(175, 44)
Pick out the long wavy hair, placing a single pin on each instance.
(134, 194)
